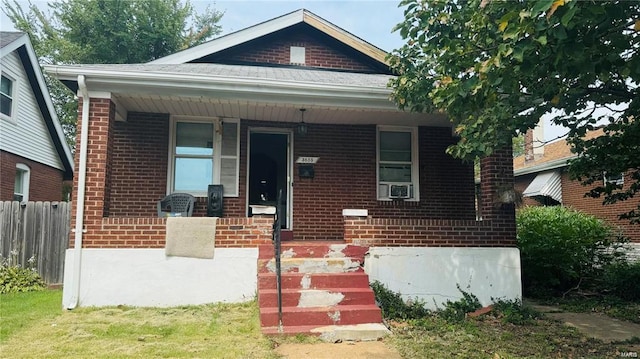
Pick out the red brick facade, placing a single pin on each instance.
(320, 52)
(127, 174)
(45, 183)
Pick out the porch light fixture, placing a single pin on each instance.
(302, 127)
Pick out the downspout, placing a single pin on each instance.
(82, 179)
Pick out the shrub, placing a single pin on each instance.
(562, 249)
(512, 311)
(457, 311)
(394, 307)
(623, 280)
(14, 278)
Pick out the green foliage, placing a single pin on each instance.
(394, 307)
(512, 311)
(108, 31)
(14, 278)
(457, 311)
(622, 279)
(496, 67)
(561, 249)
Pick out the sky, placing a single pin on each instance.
(370, 20)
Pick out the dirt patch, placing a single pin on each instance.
(351, 350)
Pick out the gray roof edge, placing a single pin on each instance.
(562, 162)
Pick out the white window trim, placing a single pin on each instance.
(15, 90)
(26, 181)
(415, 169)
(217, 152)
(616, 182)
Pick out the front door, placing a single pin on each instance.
(269, 170)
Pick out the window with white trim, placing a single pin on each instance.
(397, 163)
(617, 179)
(21, 184)
(7, 94)
(204, 152)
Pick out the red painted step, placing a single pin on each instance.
(313, 250)
(292, 297)
(315, 280)
(319, 316)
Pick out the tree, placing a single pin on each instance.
(496, 67)
(108, 31)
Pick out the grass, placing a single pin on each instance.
(19, 310)
(207, 331)
(34, 326)
(490, 337)
(609, 305)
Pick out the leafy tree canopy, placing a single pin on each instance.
(496, 67)
(108, 31)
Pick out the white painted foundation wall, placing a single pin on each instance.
(431, 274)
(146, 277)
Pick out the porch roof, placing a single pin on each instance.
(249, 92)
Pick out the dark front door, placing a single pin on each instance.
(269, 170)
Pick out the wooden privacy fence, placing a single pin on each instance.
(38, 230)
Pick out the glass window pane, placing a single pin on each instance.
(5, 105)
(395, 146)
(192, 174)
(229, 139)
(19, 183)
(6, 86)
(194, 138)
(395, 173)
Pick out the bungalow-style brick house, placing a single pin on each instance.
(34, 157)
(229, 112)
(541, 176)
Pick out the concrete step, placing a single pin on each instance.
(311, 265)
(358, 279)
(334, 333)
(316, 297)
(321, 316)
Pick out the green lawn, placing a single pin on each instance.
(39, 328)
(19, 310)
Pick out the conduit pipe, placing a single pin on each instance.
(80, 199)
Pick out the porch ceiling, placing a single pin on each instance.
(245, 92)
(276, 112)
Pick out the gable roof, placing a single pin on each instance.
(19, 42)
(301, 16)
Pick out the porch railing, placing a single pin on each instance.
(277, 228)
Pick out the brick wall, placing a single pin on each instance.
(497, 229)
(345, 177)
(135, 232)
(127, 174)
(45, 183)
(573, 196)
(320, 52)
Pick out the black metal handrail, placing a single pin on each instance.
(277, 228)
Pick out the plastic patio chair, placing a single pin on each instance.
(176, 205)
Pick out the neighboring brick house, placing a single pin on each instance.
(352, 167)
(34, 156)
(543, 179)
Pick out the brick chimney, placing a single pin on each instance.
(534, 143)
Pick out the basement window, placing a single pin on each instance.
(21, 184)
(297, 55)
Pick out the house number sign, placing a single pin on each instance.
(307, 160)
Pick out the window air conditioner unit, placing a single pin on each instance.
(400, 191)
